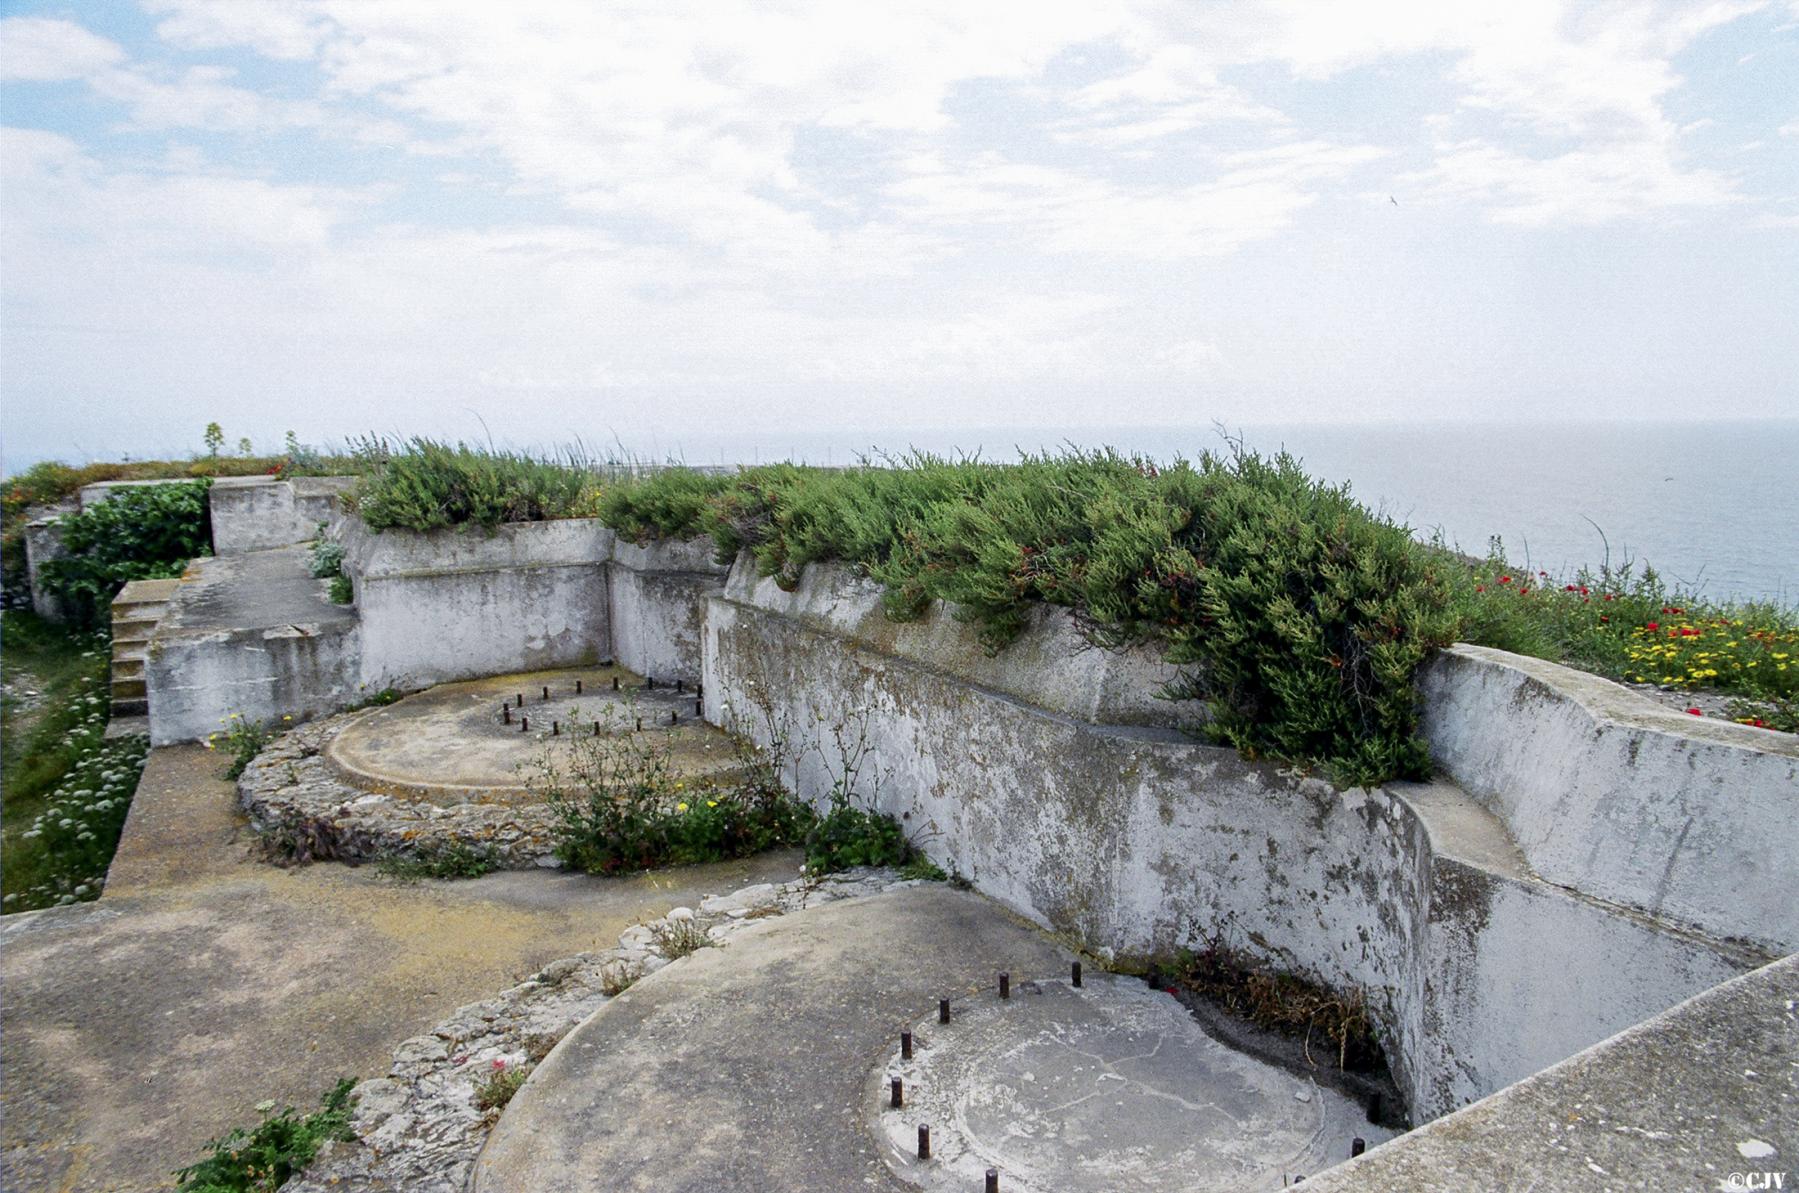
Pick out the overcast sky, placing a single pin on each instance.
(604, 219)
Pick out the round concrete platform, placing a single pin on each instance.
(455, 742)
(748, 1068)
(1110, 1085)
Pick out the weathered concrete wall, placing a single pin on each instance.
(1681, 1101)
(43, 542)
(1134, 838)
(255, 513)
(658, 593)
(1614, 795)
(253, 635)
(467, 603)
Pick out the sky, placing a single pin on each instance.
(548, 221)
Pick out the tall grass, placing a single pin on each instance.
(427, 485)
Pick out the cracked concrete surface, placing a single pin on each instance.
(1092, 1089)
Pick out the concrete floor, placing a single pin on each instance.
(762, 1067)
(136, 1028)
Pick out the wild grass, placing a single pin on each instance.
(426, 485)
(260, 1159)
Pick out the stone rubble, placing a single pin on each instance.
(303, 810)
(418, 1130)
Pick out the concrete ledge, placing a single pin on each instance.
(1680, 1101)
(1610, 793)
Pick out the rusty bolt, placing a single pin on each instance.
(898, 1099)
(924, 1142)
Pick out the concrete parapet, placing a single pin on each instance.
(460, 604)
(1614, 795)
(256, 513)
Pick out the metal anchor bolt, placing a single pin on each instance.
(506, 714)
(680, 685)
(615, 683)
(943, 1010)
(924, 1142)
(1077, 975)
(905, 1045)
(555, 728)
(697, 708)
(1357, 1146)
(1005, 985)
(577, 687)
(596, 728)
(546, 693)
(898, 1099)
(524, 724)
(993, 1180)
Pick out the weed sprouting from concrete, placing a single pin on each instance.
(678, 938)
(261, 1158)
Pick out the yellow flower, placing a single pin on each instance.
(680, 807)
(712, 803)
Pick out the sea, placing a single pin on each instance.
(1712, 506)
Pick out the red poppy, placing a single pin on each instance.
(1695, 712)
(1505, 579)
(1653, 626)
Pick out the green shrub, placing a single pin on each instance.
(241, 741)
(261, 1159)
(326, 559)
(1298, 616)
(428, 485)
(666, 503)
(494, 1091)
(620, 807)
(846, 836)
(139, 533)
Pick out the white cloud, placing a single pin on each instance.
(287, 29)
(41, 50)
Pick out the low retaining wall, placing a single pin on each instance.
(255, 513)
(468, 603)
(658, 594)
(1615, 795)
(1055, 797)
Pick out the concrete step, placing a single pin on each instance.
(128, 689)
(127, 667)
(124, 709)
(129, 722)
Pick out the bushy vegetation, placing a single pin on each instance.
(1298, 617)
(136, 534)
(426, 485)
(261, 1159)
(621, 807)
(66, 788)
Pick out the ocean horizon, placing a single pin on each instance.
(1712, 506)
(1704, 503)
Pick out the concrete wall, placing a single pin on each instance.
(253, 635)
(1132, 837)
(658, 593)
(1608, 792)
(255, 513)
(43, 542)
(466, 603)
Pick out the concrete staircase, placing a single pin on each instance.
(135, 612)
